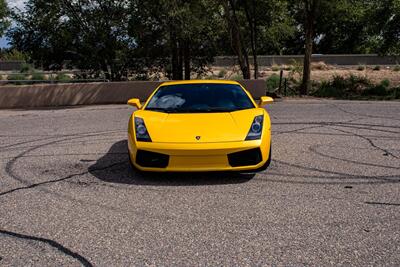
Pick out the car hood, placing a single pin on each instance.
(198, 127)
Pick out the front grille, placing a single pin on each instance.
(245, 158)
(151, 159)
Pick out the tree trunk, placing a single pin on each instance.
(255, 41)
(310, 9)
(174, 56)
(236, 39)
(252, 21)
(180, 61)
(186, 55)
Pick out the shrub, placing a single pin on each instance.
(377, 67)
(62, 77)
(385, 83)
(38, 76)
(333, 88)
(358, 81)
(17, 77)
(272, 82)
(295, 69)
(26, 68)
(377, 90)
(222, 73)
(396, 68)
(395, 93)
(237, 77)
(319, 66)
(328, 89)
(15, 55)
(361, 67)
(275, 68)
(209, 77)
(343, 87)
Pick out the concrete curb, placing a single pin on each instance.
(53, 95)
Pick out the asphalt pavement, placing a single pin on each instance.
(330, 197)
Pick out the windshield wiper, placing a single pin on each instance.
(216, 110)
(194, 110)
(166, 110)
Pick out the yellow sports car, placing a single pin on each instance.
(195, 126)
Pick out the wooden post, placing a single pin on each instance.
(280, 82)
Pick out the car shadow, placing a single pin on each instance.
(114, 167)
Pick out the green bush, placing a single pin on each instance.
(377, 90)
(237, 77)
(395, 93)
(296, 68)
(355, 87)
(26, 68)
(17, 77)
(275, 68)
(385, 83)
(343, 87)
(222, 73)
(15, 55)
(38, 76)
(272, 82)
(62, 77)
(361, 67)
(334, 88)
(377, 67)
(355, 82)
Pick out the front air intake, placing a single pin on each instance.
(151, 159)
(245, 158)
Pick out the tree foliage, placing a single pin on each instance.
(181, 37)
(4, 20)
(177, 36)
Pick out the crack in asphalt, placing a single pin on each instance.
(363, 115)
(51, 243)
(339, 175)
(60, 179)
(315, 151)
(382, 203)
(124, 175)
(387, 152)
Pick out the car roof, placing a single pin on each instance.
(199, 82)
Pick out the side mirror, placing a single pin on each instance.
(265, 100)
(134, 102)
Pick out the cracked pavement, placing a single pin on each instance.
(330, 197)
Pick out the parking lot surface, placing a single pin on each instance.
(330, 197)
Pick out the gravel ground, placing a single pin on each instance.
(330, 197)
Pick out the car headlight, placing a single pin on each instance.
(256, 128)
(141, 131)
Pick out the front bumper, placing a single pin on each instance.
(200, 157)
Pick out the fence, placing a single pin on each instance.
(10, 65)
(341, 60)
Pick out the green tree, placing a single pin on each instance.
(256, 26)
(308, 14)
(385, 26)
(87, 33)
(176, 36)
(4, 20)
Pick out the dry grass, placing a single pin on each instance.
(321, 72)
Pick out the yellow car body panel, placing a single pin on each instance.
(197, 142)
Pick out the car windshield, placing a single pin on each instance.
(199, 98)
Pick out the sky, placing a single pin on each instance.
(11, 4)
(15, 3)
